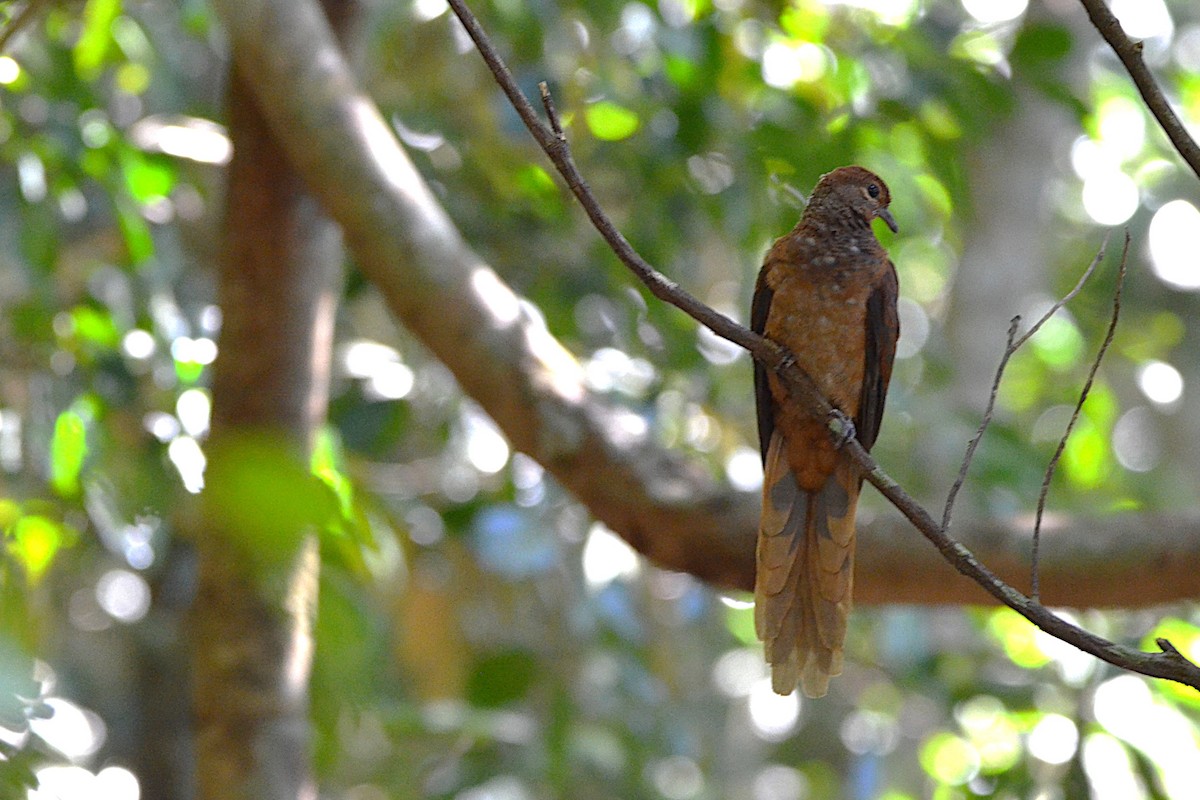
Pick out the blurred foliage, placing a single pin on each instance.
(478, 635)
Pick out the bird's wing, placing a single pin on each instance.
(764, 403)
(883, 329)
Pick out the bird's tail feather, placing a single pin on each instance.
(805, 573)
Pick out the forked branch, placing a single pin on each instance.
(1035, 589)
(1169, 664)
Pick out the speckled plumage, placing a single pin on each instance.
(827, 292)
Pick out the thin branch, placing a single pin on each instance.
(1168, 664)
(1130, 53)
(1013, 344)
(559, 152)
(551, 111)
(969, 456)
(1035, 588)
(1068, 297)
(22, 18)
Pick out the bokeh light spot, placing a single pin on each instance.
(606, 557)
(1109, 197)
(73, 731)
(1160, 382)
(1172, 251)
(10, 70)
(124, 595)
(1054, 739)
(773, 716)
(744, 469)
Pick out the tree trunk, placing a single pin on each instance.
(251, 631)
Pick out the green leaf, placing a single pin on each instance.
(1087, 459)
(935, 194)
(501, 678)
(949, 759)
(740, 621)
(1059, 343)
(95, 326)
(35, 541)
(609, 121)
(263, 498)
(1037, 44)
(68, 448)
(94, 41)
(1018, 637)
(136, 232)
(147, 179)
(535, 182)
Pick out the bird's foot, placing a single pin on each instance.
(787, 361)
(843, 427)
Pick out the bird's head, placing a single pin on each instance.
(858, 191)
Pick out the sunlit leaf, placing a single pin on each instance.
(1184, 637)
(1018, 636)
(949, 759)
(68, 448)
(610, 121)
(1059, 342)
(146, 178)
(1087, 459)
(133, 78)
(136, 231)
(10, 512)
(351, 531)
(35, 540)
(95, 326)
(534, 181)
(805, 20)
(740, 621)
(95, 38)
(680, 71)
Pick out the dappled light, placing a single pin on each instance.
(478, 632)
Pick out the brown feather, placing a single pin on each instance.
(827, 292)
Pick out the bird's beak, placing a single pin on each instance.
(887, 217)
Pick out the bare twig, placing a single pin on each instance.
(559, 152)
(1035, 588)
(1168, 664)
(1013, 344)
(551, 111)
(1130, 53)
(21, 19)
(969, 456)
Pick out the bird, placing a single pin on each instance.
(826, 292)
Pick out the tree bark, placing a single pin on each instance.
(667, 508)
(251, 626)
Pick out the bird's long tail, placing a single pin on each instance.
(805, 573)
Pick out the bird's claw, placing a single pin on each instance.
(846, 430)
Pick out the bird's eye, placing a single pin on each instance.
(873, 190)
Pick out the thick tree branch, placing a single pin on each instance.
(1167, 664)
(1130, 53)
